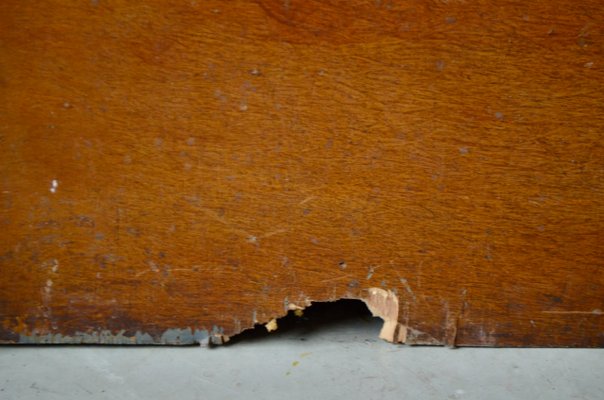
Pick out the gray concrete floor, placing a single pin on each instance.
(341, 360)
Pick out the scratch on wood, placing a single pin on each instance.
(592, 312)
(408, 288)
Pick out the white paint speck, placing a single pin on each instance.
(252, 239)
(243, 106)
(463, 150)
(54, 184)
(55, 265)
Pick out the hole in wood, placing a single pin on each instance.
(344, 319)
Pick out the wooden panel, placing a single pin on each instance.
(177, 170)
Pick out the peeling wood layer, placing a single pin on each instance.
(384, 304)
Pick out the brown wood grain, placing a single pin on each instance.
(172, 170)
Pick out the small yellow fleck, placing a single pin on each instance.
(299, 313)
(271, 325)
(295, 363)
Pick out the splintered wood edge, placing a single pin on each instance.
(384, 304)
(381, 303)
